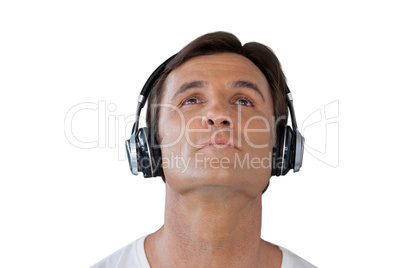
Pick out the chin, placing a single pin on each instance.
(216, 180)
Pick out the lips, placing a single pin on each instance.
(220, 142)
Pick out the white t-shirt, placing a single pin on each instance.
(133, 256)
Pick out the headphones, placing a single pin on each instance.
(142, 157)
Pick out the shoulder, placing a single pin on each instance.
(132, 255)
(291, 260)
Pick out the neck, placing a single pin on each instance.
(211, 228)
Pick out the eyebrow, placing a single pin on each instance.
(186, 86)
(246, 84)
(201, 84)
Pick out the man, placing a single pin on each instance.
(214, 111)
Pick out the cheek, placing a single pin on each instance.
(171, 126)
(183, 129)
(258, 132)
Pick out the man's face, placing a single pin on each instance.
(216, 124)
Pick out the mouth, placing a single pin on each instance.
(219, 143)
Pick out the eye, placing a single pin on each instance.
(190, 100)
(244, 101)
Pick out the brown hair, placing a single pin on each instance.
(220, 42)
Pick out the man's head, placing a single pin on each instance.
(215, 90)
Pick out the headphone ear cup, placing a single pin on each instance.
(276, 151)
(132, 153)
(283, 151)
(149, 154)
(156, 156)
(298, 151)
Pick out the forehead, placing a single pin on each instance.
(217, 68)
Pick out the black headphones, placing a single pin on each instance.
(142, 157)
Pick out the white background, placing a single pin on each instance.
(64, 206)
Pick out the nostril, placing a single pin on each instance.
(218, 123)
(226, 123)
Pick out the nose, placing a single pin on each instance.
(218, 112)
(218, 121)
